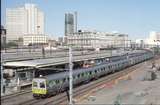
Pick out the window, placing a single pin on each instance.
(57, 81)
(42, 85)
(60, 81)
(67, 78)
(95, 71)
(64, 79)
(35, 84)
(78, 75)
(82, 74)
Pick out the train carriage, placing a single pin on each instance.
(55, 83)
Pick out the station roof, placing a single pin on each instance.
(54, 61)
(37, 63)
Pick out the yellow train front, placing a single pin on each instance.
(39, 87)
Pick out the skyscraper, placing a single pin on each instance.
(69, 24)
(22, 21)
(75, 21)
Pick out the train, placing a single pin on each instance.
(53, 84)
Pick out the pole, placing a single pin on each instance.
(70, 77)
(1, 75)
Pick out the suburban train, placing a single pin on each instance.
(53, 84)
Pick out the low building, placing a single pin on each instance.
(34, 39)
(93, 39)
(53, 43)
(154, 39)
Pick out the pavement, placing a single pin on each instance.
(131, 89)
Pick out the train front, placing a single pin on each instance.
(39, 89)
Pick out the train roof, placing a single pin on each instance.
(77, 71)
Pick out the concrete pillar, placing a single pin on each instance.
(33, 74)
(16, 77)
(66, 66)
(17, 80)
(27, 75)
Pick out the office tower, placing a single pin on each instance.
(26, 20)
(69, 24)
(75, 23)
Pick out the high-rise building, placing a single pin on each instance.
(22, 21)
(69, 24)
(75, 21)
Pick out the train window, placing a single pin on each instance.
(60, 81)
(35, 84)
(109, 67)
(97, 70)
(67, 78)
(78, 75)
(51, 83)
(82, 74)
(57, 81)
(64, 79)
(42, 85)
(88, 73)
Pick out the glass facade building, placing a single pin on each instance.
(69, 24)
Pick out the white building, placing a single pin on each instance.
(88, 39)
(34, 39)
(20, 21)
(154, 38)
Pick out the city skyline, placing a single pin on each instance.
(136, 18)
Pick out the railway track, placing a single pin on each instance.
(62, 98)
(77, 92)
(15, 94)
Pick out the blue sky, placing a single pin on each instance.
(135, 17)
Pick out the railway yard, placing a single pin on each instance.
(127, 87)
(130, 89)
